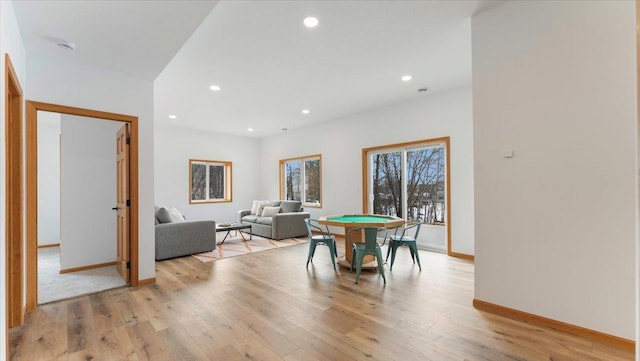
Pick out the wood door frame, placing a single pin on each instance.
(14, 201)
(637, 340)
(32, 108)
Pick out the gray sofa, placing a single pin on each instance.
(287, 223)
(177, 238)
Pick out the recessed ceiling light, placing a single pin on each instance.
(171, 116)
(306, 111)
(215, 88)
(406, 77)
(250, 129)
(310, 22)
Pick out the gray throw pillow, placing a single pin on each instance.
(290, 206)
(155, 213)
(169, 215)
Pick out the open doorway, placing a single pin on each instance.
(77, 224)
(131, 204)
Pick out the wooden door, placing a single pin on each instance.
(122, 201)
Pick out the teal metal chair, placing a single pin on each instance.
(405, 239)
(369, 246)
(322, 236)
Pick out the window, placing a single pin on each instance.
(300, 180)
(410, 181)
(210, 181)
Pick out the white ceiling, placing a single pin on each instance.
(267, 63)
(135, 37)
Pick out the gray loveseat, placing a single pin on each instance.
(176, 237)
(286, 223)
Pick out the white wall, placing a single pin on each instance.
(10, 43)
(88, 191)
(341, 142)
(49, 178)
(175, 146)
(61, 80)
(555, 225)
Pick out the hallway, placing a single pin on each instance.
(53, 286)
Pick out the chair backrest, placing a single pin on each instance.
(314, 225)
(383, 233)
(370, 236)
(409, 227)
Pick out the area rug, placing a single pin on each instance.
(236, 246)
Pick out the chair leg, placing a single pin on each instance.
(380, 268)
(413, 258)
(332, 250)
(312, 249)
(389, 249)
(394, 248)
(414, 247)
(359, 259)
(353, 258)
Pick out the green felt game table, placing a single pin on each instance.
(349, 221)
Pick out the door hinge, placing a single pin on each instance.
(128, 202)
(128, 140)
(128, 264)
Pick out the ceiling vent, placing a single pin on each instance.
(67, 45)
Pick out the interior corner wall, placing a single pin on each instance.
(555, 82)
(10, 43)
(176, 145)
(62, 80)
(49, 180)
(340, 142)
(88, 191)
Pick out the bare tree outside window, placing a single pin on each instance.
(210, 181)
(300, 180)
(216, 182)
(425, 185)
(292, 176)
(312, 180)
(387, 184)
(198, 182)
(414, 174)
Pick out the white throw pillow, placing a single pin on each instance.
(176, 216)
(254, 208)
(261, 206)
(270, 211)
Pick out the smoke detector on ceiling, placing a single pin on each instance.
(67, 45)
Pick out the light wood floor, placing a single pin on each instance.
(267, 306)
